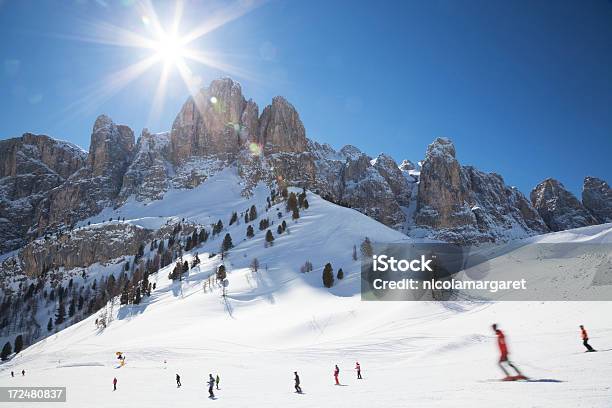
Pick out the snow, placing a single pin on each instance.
(278, 320)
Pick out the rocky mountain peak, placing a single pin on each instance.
(407, 165)
(597, 198)
(441, 147)
(350, 152)
(209, 123)
(110, 148)
(558, 207)
(280, 128)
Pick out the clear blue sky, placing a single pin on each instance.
(524, 88)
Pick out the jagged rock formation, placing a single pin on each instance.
(210, 123)
(559, 208)
(31, 166)
(79, 248)
(464, 205)
(597, 198)
(147, 177)
(48, 185)
(94, 186)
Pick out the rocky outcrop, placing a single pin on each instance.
(559, 208)
(82, 247)
(210, 123)
(597, 198)
(30, 167)
(147, 177)
(280, 128)
(94, 186)
(390, 171)
(366, 190)
(464, 205)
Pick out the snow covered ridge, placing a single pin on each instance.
(219, 128)
(278, 320)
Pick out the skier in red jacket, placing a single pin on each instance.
(503, 357)
(336, 373)
(585, 339)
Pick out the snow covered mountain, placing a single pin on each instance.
(84, 229)
(278, 319)
(218, 128)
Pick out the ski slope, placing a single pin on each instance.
(278, 320)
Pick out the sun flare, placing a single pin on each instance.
(170, 49)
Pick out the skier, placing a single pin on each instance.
(22, 373)
(178, 380)
(211, 384)
(217, 380)
(336, 374)
(115, 384)
(12, 374)
(585, 339)
(358, 368)
(503, 358)
(298, 389)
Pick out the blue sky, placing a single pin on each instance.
(524, 88)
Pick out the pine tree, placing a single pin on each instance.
(6, 351)
(354, 252)
(218, 227)
(125, 294)
(340, 274)
(269, 237)
(252, 213)
(137, 296)
(328, 275)
(254, 264)
(50, 325)
(221, 273)
(60, 315)
(306, 205)
(279, 230)
(72, 307)
(250, 233)
(18, 343)
(366, 248)
(292, 202)
(264, 224)
(234, 218)
(227, 243)
(296, 213)
(203, 235)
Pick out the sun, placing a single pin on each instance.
(170, 49)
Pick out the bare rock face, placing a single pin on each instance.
(31, 166)
(464, 205)
(280, 128)
(110, 149)
(597, 198)
(147, 176)
(559, 208)
(367, 191)
(388, 168)
(94, 186)
(80, 248)
(210, 123)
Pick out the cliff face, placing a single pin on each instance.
(30, 167)
(597, 198)
(94, 186)
(462, 204)
(46, 185)
(559, 208)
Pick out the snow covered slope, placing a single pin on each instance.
(279, 320)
